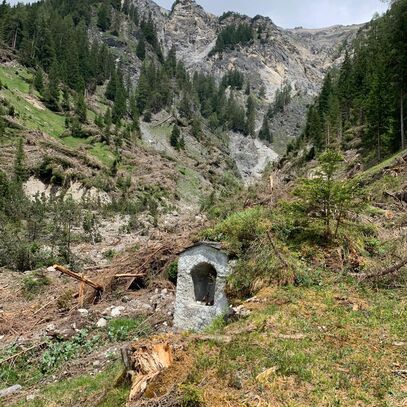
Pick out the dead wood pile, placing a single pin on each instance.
(149, 262)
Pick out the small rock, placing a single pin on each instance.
(31, 397)
(241, 311)
(10, 390)
(107, 310)
(164, 291)
(155, 297)
(116, 311)
(156, 291)
(96, 363)
(1, 337)
(126, 299)
(83, 312)
(102, 323)
(50, 328)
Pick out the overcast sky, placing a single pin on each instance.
(292, 13)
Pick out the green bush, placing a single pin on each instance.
(240, 229)
(172, 272)
(191, 396)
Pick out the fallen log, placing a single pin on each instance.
(79, 277)
(225, 339)
(164, 121)
(129, 275)
(391, 270)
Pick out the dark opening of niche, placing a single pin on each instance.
(204, 279)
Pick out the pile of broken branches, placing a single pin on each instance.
(148, 263)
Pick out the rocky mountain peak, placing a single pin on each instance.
(188, 8)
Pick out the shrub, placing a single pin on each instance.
(172, 272)
(240, 229)
(260, 266)
(191, 396)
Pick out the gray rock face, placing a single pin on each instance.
(251, 156)
(300, 57)
(200, 297)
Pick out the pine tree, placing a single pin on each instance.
(39, 80)
(251, 116)
(171, 62)
(66, 105)
(141, 49)
(196, 128)
(111, 87)
(185, 107)
(20, 169)
(119, 105)
(104, 16)
(175, 137)
(80, 108)
(265, 133)
(116, 25)
(52, 93)
(262, 92)
(345, 92)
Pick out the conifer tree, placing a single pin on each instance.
(52, 92)
(39, 80)
(104, 16)
(250, 116)
(141, 49)
(80, 108)
(265, 133)
(175, 137)
(20, 169)
(119, 105)
(66, 105)
(185, 107)
(111, 87)
(196, 128)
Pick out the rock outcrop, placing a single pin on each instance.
(300, 57)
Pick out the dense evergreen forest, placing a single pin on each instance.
(364, 99)
(52, 38)
(69, 63)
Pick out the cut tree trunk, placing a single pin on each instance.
(148, 361)
(78, 277)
